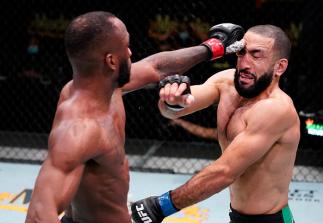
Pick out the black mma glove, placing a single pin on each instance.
(220, 37)
(176, 79)
(153, 209)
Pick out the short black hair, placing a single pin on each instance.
(282, 44)
(87, 31)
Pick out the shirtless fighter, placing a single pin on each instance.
(86, 168)
(258, 131)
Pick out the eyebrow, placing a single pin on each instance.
(255, 50)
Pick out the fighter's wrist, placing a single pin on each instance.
(166, 204)
(174, 108)
(215, 48)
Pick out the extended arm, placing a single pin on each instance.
(204, 95)
(156, 67)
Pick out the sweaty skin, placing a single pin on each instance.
(86, 171)
(258, 136)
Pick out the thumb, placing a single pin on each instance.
(188, 99)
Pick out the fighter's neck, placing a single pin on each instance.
(96, 88)
(263, 95)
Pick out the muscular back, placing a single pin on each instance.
(263, 186)
(89, 136)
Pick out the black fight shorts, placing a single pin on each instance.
(67, 220)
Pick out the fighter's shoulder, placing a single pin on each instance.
(223, 77)
(279, 108)
(65, 92)
(72, 142)
(82, 131)
(66, 88)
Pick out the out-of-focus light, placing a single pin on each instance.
(313, 128)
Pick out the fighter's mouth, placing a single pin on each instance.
(246, 75)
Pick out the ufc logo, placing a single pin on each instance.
(143, 216)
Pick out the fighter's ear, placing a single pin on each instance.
(112, 61)
(280, 66)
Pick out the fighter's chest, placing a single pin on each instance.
(231, 120)
(112, 153)
(113, 131)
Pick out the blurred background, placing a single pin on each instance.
(34, 68)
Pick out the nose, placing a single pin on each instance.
(130, 53)
(243, 60)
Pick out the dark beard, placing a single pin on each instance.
(124, 73)
(259, 86)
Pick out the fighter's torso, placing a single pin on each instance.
(264, 185)
(102, 193)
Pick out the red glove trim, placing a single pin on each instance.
(216, 47)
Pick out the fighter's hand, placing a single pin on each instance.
(221, 37)
(152, 209)
(175, 92)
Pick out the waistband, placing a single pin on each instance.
(282, 216)
(65, 219)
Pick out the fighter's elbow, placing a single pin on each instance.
(227, 175)
(35, 216)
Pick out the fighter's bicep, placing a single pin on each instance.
(246, 149)
(57, 185)
(270, 118)
(64, 156)
(66, 160)
(70, 148)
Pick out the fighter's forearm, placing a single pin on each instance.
(201, 186)
(178, 61)
(204, 184)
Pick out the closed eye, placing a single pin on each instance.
(256, 53)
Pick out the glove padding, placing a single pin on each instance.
(222, 36)
(147, 211)
(176, 79)
(153, 209)
(179, 80)
(227, 33)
